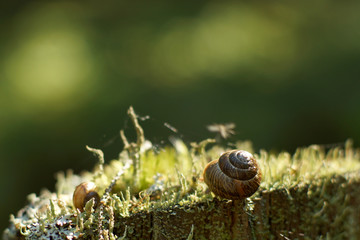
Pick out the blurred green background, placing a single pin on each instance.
(286, 73)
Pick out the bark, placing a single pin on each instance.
(325, 208)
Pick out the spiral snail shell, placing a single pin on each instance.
(83, 193)
(235, 175)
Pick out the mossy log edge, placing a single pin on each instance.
(328, 207)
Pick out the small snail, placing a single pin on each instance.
(235, 175)
(83, 193)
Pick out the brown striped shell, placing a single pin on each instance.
(83, 193)
(235, 175)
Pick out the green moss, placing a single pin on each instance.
(305, 195)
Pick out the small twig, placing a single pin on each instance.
(133, 148)
(124, 139)
(138, 128)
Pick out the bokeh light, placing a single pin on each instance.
(50, 66)
(224, 40)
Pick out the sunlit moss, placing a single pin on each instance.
(171, 188)
(284, 170)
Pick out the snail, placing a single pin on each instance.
(235, 175)
(83, 193)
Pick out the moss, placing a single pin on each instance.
(311, 194)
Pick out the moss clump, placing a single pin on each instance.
(159, 195)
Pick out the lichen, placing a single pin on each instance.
(148, 194)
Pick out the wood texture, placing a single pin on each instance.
(326, 208)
